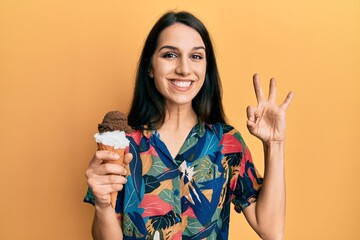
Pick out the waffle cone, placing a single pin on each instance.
(119, 151)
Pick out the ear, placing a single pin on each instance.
(151, 72)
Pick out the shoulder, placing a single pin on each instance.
(135, 136)
(222, 129)
(230, 138)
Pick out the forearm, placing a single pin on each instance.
(270, 207)
(106, 225)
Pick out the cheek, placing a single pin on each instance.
(201, 72)
(159, 83)
(162, 68)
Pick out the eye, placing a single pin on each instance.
(169, 55)
(197, 57)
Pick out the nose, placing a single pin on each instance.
(183, 67)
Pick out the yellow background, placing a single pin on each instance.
(64, 64)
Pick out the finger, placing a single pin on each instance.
(100, 180)
(272, 90)
(287, 100)
(103, 155)
(252, 127)
(110, 168)
(258, 90)
(112, 179)
(250, 112)
(102, 192)
(127, 159)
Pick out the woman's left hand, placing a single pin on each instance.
(267, 120)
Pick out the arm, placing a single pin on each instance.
(267, 122)
(104, 179)
(105, 224)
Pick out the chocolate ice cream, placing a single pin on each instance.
(113, 121)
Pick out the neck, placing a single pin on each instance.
(179, 117)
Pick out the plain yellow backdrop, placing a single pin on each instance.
(64, 64)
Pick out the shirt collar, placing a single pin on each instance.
(199, 129)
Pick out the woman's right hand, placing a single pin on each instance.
(105, 178)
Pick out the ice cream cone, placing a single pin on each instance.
(112, 137)
(119, 151)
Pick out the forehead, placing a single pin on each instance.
(181, 36)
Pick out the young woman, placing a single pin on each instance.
(186, 164)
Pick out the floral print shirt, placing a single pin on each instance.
(187, 197)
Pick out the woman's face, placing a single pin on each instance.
(179, 64)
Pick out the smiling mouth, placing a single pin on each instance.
(182, 84)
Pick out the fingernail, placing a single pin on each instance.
(116, 156)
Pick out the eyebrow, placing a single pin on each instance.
(175, 48)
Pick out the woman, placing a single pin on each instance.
(185, 163)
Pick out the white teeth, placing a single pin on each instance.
(182, 83)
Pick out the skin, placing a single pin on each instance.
(178, 69)
(267, 122)
(104, 178)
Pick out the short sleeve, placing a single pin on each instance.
(89, 197)
(245, 180)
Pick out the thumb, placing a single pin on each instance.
(127, 159)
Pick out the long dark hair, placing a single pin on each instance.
(148, 105)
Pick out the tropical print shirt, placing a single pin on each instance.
(187, 197)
